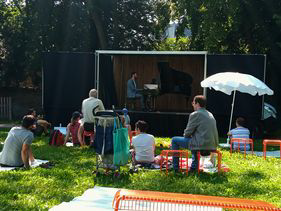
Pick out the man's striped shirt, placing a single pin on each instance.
(240, 132)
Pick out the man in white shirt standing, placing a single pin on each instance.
(143, 144)
(90, 106)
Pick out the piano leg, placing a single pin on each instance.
(150, 103)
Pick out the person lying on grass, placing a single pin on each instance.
(17, 146)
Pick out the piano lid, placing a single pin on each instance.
(174, 81)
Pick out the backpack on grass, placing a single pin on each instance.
(56, 138)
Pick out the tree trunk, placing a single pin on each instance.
(100, 29)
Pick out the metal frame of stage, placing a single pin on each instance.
(114, 52)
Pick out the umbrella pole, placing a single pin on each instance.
(231, 114)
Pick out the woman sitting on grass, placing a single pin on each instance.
(143, 144)
(72, 129)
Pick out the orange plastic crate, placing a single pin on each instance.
(152, 200)
(242, 141)
(270, 142)
(180, 153)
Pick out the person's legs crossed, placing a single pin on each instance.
(178, 142)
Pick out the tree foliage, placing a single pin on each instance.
(31, 27)
(138, 24)
(235, 26)
(230, 26)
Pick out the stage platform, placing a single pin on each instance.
(161, 124)
(169, 124)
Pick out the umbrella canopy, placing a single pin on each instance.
(227, 82)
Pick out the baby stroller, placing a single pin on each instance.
(106, 143)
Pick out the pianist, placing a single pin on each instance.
(132, 91)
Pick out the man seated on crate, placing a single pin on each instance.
(90, 106)
(240, 132)
(200, 134)
(143, 145)
(17, 147)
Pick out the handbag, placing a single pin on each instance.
(120, 144)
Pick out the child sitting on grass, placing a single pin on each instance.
(127, 121)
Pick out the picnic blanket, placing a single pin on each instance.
(36, 163)
(275, 154)
(207, 166)
(97, 198)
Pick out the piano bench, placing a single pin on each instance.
(131, 103)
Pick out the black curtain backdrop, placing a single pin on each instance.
(246, 105)
(107, 84)
(67, 79)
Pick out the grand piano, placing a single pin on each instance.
(171, 81)
(174, 81)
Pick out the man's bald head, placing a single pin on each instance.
(93, 93)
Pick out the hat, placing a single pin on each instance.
(76, 114)
(125, 110)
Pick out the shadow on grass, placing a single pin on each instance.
(106, 180)
(253, 175)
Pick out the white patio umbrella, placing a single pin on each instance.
(228, 82)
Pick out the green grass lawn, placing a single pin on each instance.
(41, 189)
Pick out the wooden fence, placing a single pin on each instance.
(6, 108)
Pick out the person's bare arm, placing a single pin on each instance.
(154, 146)
(25, 152)
(31, 157)
(80, 134)
(67, 134)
